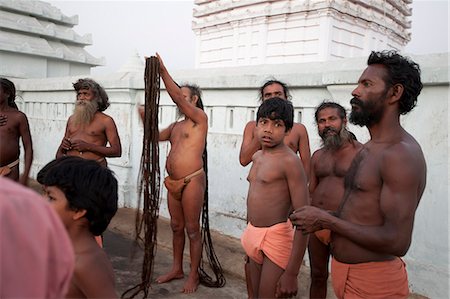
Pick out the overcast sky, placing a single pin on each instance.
(121, 28)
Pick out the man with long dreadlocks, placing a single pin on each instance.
(13, 126)
(187, 184)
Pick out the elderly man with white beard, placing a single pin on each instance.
(90, 133)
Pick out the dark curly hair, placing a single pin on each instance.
(330, 104)
(99, 92)
(274, 81)
(277, 108)
(400, 70)
(195, 91)
(87, 185)
(9, 88)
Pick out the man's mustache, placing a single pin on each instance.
(356, 102)
(326, 130)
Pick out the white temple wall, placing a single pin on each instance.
(231, 99)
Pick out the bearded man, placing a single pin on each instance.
(329, 165)
(90, 134)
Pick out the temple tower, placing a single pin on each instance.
(251, 32)
(37, 41)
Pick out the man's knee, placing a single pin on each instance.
(193, 232)
(177, 227)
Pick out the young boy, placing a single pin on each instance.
(13, 126)
(277, 186)
(84, 194)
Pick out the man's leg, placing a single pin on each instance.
(319, 255)
(254, 275)
(192, 202)
(248, 279)
(270, 274)
(178, 239)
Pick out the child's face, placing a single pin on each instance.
(271, 132)
(59, 203)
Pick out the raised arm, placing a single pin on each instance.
(197, 115)
(250, 144)
(28, 148)
(296, 179)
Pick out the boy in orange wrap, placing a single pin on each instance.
(277, 186)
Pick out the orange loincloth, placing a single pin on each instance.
(5, 170)
(324, 236)
(274, 241)
(387, 279)
(176, 187)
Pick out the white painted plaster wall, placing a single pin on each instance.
(49, 102)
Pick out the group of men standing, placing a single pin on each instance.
(351, 201)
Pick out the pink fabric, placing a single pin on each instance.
(36, 254)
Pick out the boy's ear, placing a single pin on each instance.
(194, 99)
(79, 214)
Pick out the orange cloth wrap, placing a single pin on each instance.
(387, 279)
(5, 170)
(274, 241)
(324, 236)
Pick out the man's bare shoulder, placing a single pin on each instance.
(103, 116)
(16, 114)
(250, 125)
(317, 154)
(408, 149)
(299, 129)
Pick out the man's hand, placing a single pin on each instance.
(286, 286)
(80, 145)
(66, 145)
(309, 219)
(162, 67)
(3, 119)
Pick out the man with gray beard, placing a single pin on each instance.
(329, 166)
(90, 134)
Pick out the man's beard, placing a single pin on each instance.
(84, 112)
(335, 141)
(367, 114)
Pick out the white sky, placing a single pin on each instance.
(121, 28)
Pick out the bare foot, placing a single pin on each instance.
(174, 274)
(191, 283)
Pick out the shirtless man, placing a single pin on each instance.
(373, 226)
(186, 182)
(297, 139)
(329, 165)
(277, 185)
(88, 129)
(13, 125)
(84, 195)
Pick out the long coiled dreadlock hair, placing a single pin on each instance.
(149, 179)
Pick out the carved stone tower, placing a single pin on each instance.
(250, 32)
